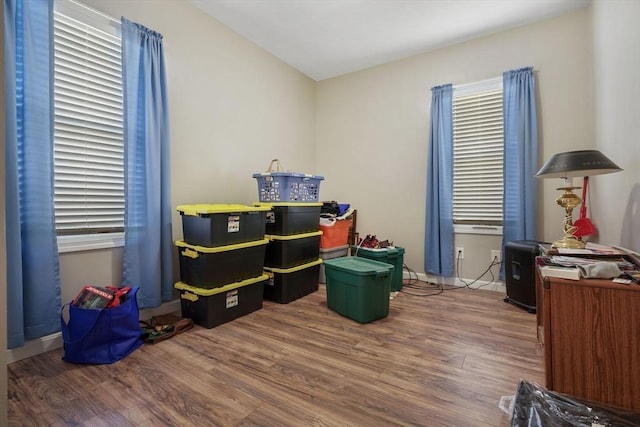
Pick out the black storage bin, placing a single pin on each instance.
(286, 219)
(213, 225)
(289, 251)
(208, 268)
(290, 284)
(213, 307)
(520, 273)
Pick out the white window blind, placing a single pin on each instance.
(478, 153)
(88, 130)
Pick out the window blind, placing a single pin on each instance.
(478, 155)
(88, 130)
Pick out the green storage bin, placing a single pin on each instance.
(358, 288)
(393, 256)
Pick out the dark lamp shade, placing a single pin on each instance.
(577, 163)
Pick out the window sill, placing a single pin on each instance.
(495, 230)
(89, 242)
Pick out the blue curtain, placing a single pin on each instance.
(438, 247)
(520, 157)
(33, 274)
(148, 236)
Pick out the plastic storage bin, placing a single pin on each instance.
(208, 268)
(288, 187)
(358, 288)
(212, 307)
(331, 254)
(392, 255)
(335, 235)
(289, 251)
(222, 224)
(285, 219)
(289, 284)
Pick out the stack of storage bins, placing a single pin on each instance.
(292, 261)
(334, 242)
(221, 261)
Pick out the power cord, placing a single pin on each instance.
(417, 284)
(493, 263)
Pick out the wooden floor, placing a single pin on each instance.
(443, 360)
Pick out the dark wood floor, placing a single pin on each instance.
(443, 360)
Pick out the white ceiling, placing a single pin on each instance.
(327, 38)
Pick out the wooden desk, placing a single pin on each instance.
(590, 331)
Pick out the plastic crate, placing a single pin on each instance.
(204, 267)
(290, 251)
(335, 235)
(331, 253)
(288, 187)
(358, 288)
(391, 255)
(285, 219)
(290, 284)
(212, 307)
(215, 225)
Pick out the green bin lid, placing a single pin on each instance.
(293, 236)
(209, 292)
(208, 209)
(358, 265)
(392, 251)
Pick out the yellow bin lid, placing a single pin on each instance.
(293, 236)
(208, 209)
(209, 292)
(194, 250)
(293, 269)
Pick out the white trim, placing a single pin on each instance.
(54, 341)
(88, 15)
(480, 86)
(452, 281)
(89, 242)
(495, 230)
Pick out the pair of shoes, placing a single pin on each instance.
(152, 331)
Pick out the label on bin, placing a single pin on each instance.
(271, 217)
(233, 225)
(232, 298)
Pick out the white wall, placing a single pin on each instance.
(233, 107)
(616, 197)
(372, 130)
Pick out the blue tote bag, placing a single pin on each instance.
(101, 336)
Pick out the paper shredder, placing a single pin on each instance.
(520, 273)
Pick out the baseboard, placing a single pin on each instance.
(54, 341)
(452, 281)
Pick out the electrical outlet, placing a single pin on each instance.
(459, 252)
(495, 255)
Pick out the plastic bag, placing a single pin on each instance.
(535, 406)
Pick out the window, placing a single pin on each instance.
(88, 125)
(478, 155)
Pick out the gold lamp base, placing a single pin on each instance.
(568, 201)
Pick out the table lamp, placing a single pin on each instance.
(566, 166)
